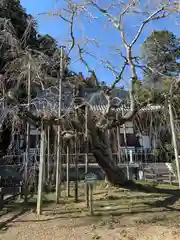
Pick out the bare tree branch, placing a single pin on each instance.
(73, 7)
(150, 18)
(81, 51)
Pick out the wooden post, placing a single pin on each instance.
(1, 194)
(90, 179)
(118, 142)
(20, 190)
(41, 171)
(106, 179)
(59, 157)
(91, 199)
(48, 155)
(35, 161)
(174, 140)
(76, 168)
(1, 198)
(76, 145)
(14, 190)
(86, 155)
(27, 139)
(53, 176)
(170, 178)
(125, 141)
(67, 172)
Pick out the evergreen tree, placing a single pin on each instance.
(160, 53)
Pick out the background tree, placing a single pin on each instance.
(161, 54)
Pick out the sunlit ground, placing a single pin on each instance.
(118, 214)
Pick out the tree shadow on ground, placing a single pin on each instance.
(166, 203)
(75, 213)
(101, 213)
(144, 215)
(109, 217)
(108, 212)
(147, 188)
(15, 209)
(126, 197)
(4, 225)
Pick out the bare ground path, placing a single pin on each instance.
(118, 215)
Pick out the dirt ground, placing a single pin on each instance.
(118, 214)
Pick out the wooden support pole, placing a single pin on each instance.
(27, 139)
(34, 163)
(41, 171)
(48, 155)
(170, 178)
(76, 168)
(58, 167)
(118, 142)
(67, 172)
(53, 176)
(174, 140)
(91, 199)
(20, 190)
(86, 155)
(76, 153)
(1, 194)
(59, 157)
(125, 141)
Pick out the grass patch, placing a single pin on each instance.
(158, 185)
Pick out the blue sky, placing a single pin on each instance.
(108, 37)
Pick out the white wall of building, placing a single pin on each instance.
(145, 141)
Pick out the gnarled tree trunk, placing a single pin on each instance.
(103, 154)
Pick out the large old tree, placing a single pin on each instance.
(116, 13)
